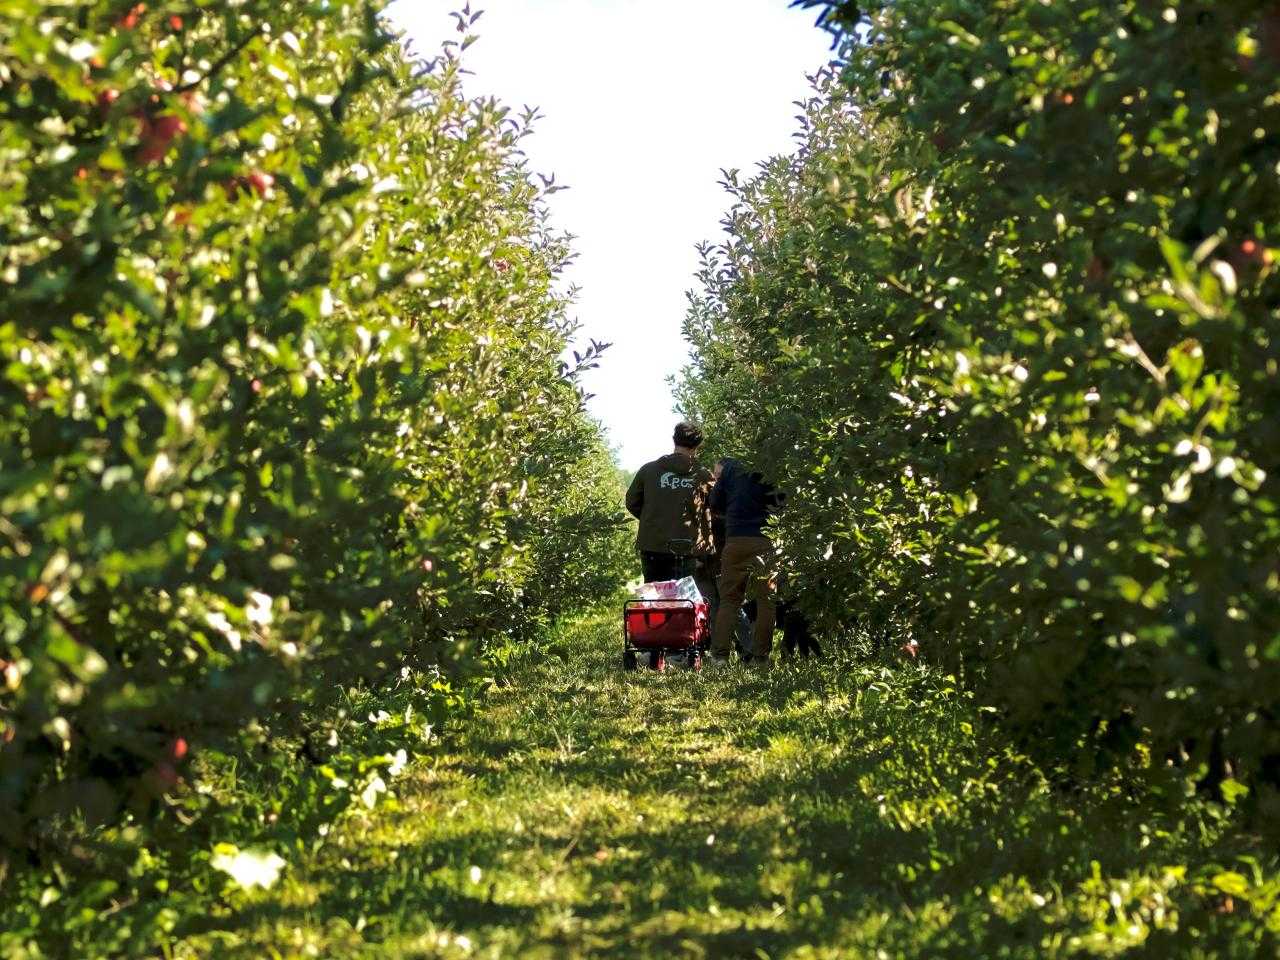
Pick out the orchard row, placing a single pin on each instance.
(1006, 329)
(283, 427)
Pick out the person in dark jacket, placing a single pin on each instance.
(745, 500)
(710, 540)
(661, 498)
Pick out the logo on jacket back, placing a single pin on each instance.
(673, 481)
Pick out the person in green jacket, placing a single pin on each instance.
(661, 498)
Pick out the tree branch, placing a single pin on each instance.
(221, 62)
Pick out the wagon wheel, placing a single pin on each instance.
(629, 660)
(658, 661)
(695, 660)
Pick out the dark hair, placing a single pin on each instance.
(687, 435)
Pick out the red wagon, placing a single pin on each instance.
(662, 631)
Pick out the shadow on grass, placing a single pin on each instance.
(756, 815)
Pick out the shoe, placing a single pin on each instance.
(712, 663)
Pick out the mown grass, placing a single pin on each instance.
(831, 810)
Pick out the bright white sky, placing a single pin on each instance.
(644, 102)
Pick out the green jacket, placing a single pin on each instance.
(661, 498)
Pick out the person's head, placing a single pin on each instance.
(687, 437)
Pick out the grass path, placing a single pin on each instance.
(809, 812)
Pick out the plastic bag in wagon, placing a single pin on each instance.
(685, 589)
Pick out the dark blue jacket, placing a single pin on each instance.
(744, 499)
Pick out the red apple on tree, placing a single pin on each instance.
(257, 181)
(160, 779)
(130, 19)
(1255, 252)
(106, 98)
(1249, 256)
(158, 134)
(261, 183)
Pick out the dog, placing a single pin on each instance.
(797, 635)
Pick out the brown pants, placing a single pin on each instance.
(746, 563)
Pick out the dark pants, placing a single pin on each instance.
(658, 567)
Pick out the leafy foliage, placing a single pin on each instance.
(1005, 326)
(282, 419)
